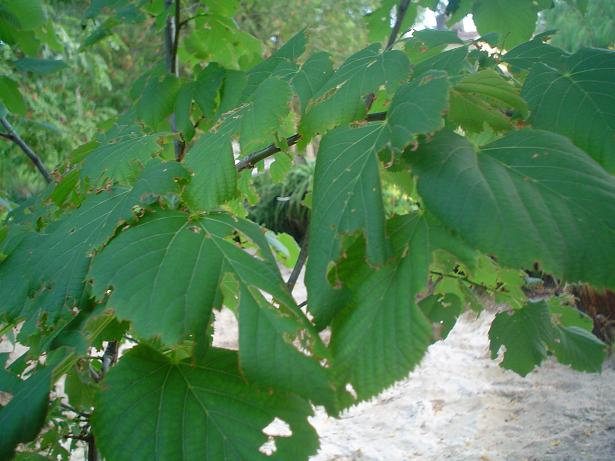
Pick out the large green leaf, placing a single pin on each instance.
(382, 335)
(577, 101)
(288, 53)
(530, 196)
(528, 333)
(23, 417)
(53, 265)
(579, 348)
(312, 75)
(427, 43)
(158, 98)
(514, 20)
(164, 275)
(29, 13)
(119, 159)
(347, 198)
(152, 408)
(525, 333)
(442, 311)
(342, 98)
(261, 119)
(214, 177)
(450, 61)
(11, 97)
(206, 87)
(418, 108)
(483, 97)
(534, 52)
(39, 66)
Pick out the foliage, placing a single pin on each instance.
(500, 153)
(591, 24)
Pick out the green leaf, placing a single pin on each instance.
(183, 109)
(100, 33)
(482, 98)
(584, 92)
(54, 265)
(214, 179)
(568, 316)
(382, 335)
(417, 108)
(514, 20)
(286, 55)
(222, 7)
(261, 120)
(158, 99)
(379, 21)
(579, 348)
(152, 408)
(216, 38)
(30, 14)
(342, 98)
(151, 270)
(206, 88)
(11, 97)
(23, 417)
(526, 55)
(525, 333)
(119, 159)
(39, 66)
(312, 75)
(171, 267)
(532, 195)
(347, 198)
(428, 43)
(528, 333)
(451, 61)
(443, 312)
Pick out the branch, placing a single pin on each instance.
(178, 26)
(171, 40)
(191, 18)
(13, 136)
(294, 275)
(252, 159)
(402, 8)
(459, 277)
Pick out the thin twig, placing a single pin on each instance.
(252, 159)
(177, 25)
(191, 18)
(459, 277)
(402, 8)
(13, 136)
(171, 39)
(74, 410)
(294, 275)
